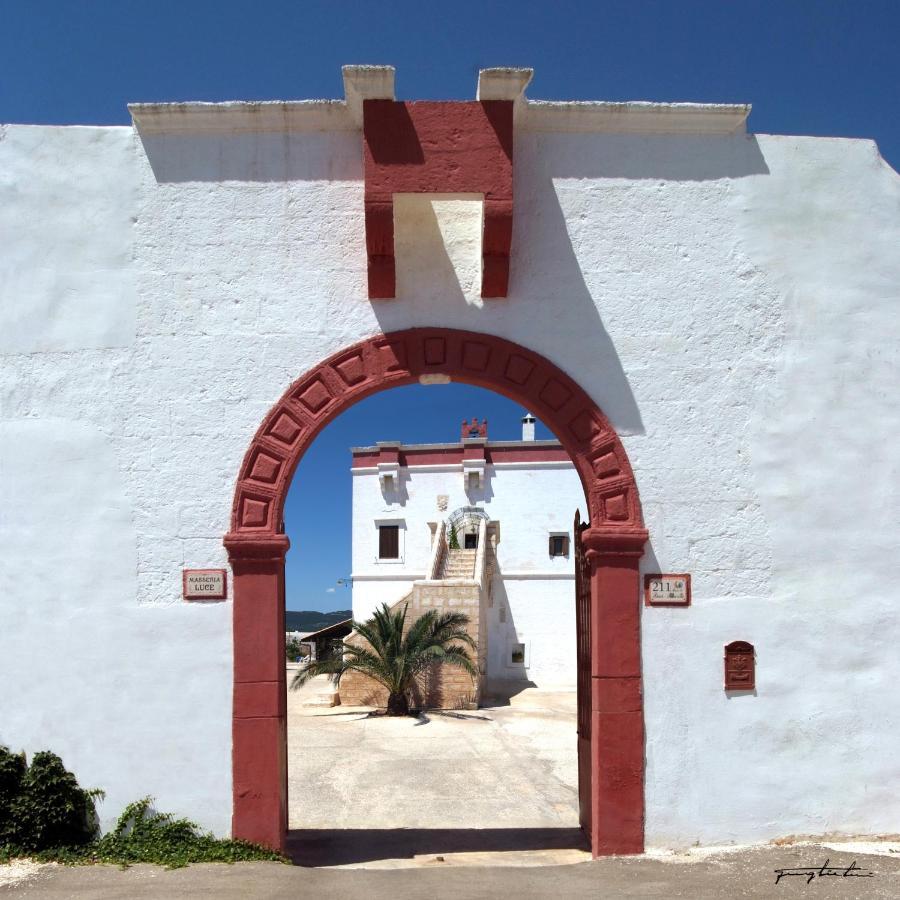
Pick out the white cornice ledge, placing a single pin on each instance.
(637, 117)
(239, 117)
(244, 117)
(377, 82)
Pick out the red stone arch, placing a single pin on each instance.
(613, 546)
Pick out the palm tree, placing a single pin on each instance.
(394, 660)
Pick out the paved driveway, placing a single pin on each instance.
(500, 780)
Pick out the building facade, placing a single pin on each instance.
(528, 490)
(705, 317)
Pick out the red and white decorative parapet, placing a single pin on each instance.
(448, 147)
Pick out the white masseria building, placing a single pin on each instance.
(527, 489)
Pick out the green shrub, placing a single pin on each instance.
(12, 769)
(41, 805)
(45, 815)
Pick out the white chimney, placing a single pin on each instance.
(528, 427)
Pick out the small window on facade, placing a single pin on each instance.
(518, 653)
(559, 545)
(389, 542)
(471, 542)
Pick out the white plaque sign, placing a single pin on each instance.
(667, 590)
(205, 584)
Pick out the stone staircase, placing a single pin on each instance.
(458, 564)
(455, 586)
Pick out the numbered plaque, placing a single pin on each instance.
(667, 590)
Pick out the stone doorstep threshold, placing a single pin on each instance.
(560, 856)
(499, 858)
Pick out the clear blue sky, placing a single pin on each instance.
(823, 67)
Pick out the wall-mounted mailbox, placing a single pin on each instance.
(740, 666)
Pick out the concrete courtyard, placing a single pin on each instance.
(494, 784)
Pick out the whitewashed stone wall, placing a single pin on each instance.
(729, 301)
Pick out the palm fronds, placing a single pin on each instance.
(395, 659)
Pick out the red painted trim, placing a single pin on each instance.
(195, 598)
(651, 577)
(450, 147)
(617, 724)
(259, 699)
(525, 455)
(455, 455)
(614, 544)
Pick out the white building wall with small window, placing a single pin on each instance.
(530, 501)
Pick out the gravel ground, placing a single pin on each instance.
(21, 871)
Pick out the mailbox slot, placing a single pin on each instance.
(740, 666)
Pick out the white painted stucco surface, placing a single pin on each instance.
(729, 301)
(533, 597)
(135, 699)
(66, 282)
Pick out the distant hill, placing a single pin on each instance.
(312, 619)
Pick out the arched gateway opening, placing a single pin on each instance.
(610, 705)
